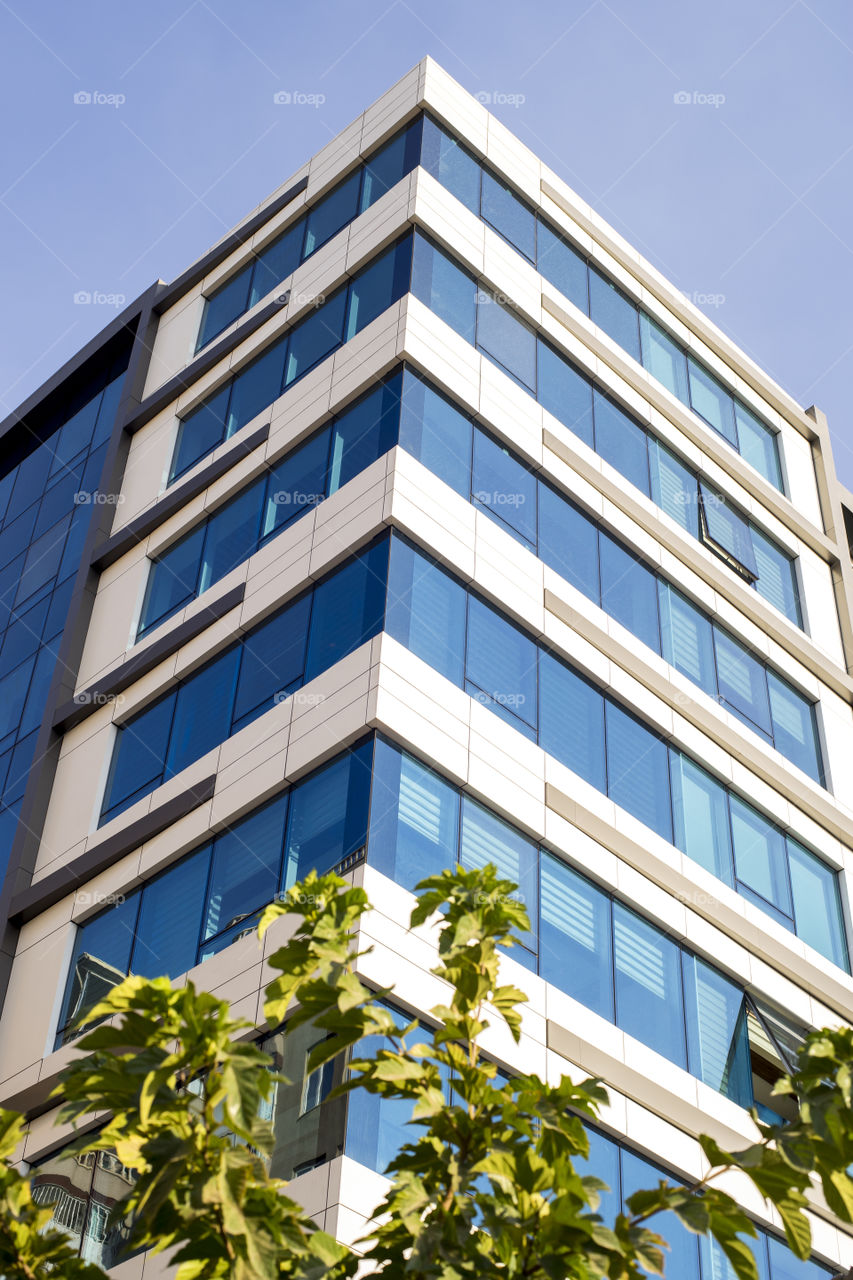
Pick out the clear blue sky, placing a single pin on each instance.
(749, 199)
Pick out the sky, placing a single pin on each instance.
(717, 138)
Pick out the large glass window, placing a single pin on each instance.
(629, 591)
(274, 263)
(649, 1004)
(342, 611)
(614, 313)
(508, 215)
(571, 718)
(638, 770)
(83, 1190)
(244, 396)
(575, 936)
(711, 401)
(509, 342)
(500, 666)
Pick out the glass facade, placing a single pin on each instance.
(334, 211)
(83, 1190)
(471, 643)
(336, 320)
(406, 410)
(266, 666)
(487, 196)
(46, 502)
(412, 823)
(453, 294)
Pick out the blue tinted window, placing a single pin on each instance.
(649, 1002)
(571, 720)
(484, 839)
(501, 664)
(75, 435)
(436, 433)
(575, 936)
(629, 592)
(375, 288)
(614, 313)
(777, 576)
(742, 681)
(202, 711)
(42, 559)
(296, 484)
(563, 266)
(505, 488)
(201, 431)
(333, 212)
(139, 755)
(426, 611)
(389, 165)
(414, 818)
(663, 358)
(565, 393)
(727, 528)
(347, 609)
(30, 483)
(453, 166)
(223, 307)
(760, 860)
(711, 401)
(758, 445)
(232, 534)
(273, 661)
(101, 958)
(328, 815)
(377, 1126)
(13, 694)
(169, 919)
(674, 487)
(445, 288)
(277, 261)
(687, 640)
(172, 579)
(682, 1259)
(701, 815)
(817, 907)
(795, 727)
(717, 1038)
(638, 770)
(314, 337)
(502, 208)
(256, 387)
(568, 542)
(246, 867)
(502, 336)
(621, 442)
(364, 432)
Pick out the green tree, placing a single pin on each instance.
(488, 1184)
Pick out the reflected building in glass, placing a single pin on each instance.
(422, 522)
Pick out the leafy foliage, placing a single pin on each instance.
(488, 1184)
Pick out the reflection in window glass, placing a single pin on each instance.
(817, 907)
(649, 1004)
(502, 336)
(687, 638)
(445, 288)
(629, 592)
(509, 215)
(614, 313)
(621, 442)
(760, 861)
(575, 942)
(426, 611)
(638, 770)
(563, 266)
(712, 401)
(663, 357)
(414, 818)
(701, 812)
(565, 393)
(758, 445)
